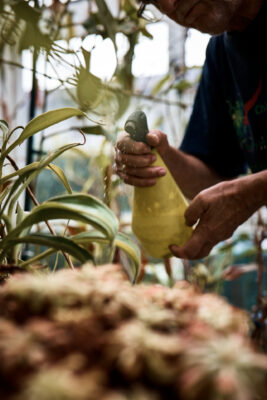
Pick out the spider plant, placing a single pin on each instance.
(19, 227)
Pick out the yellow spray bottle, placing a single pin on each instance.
(158, 211)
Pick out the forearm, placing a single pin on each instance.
(254, 190)
(191, 174)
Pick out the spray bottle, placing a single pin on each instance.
(158, 211)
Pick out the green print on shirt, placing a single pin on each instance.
(261, 108)
(241, 126)
(239, 114)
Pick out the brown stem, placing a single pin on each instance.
(107, 185)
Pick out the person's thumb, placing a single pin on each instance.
(156, 138)
(195, 211)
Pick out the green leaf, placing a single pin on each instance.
(21, 214)
(107, 20)
(94, 130)
(89, 237)
(24, 11)
(54, 242)
(79, 207)
(4, 193)
(87, 58)
(123, 242)
(98, 130)
(42, 122)
(30, 174)
(60, 173)
(25, 171)
(157, 88)
(4, 127)
(48, 119)
(182, 85)
(94, 208)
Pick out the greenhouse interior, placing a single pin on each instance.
(133, 186)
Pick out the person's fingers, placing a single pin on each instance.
(137, 161)
(153, 139)
(150, 172)
(136, 181)
(198, 246)
(195, 210)
(128, 146)
(157, 139)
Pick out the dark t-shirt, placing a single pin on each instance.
(228, 125)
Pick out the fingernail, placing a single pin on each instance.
(162, 171)
(173, 247)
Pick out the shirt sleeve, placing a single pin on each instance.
(210, 134)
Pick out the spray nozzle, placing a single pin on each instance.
(136, 126)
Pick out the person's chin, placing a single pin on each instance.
(211, 28)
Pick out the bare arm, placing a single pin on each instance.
(190, 173)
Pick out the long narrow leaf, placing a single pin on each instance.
(81, 207)
(4, 127)
(54, 242)
(21, 171)
(19, 186)
(25, 171)
(123, 242)
(90, 237)
(36, 258)
(62, 177)
(4, 193)
(21, 214)
(86, 203)
(42, 122)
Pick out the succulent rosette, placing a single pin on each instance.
(90, 334)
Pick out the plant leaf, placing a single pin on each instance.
(30, 174)
(60, 173)
(44, 121)
(89, 237)
(79, 207)
(21, 214)
(94, 130)
(123, 242)
(25, 171)
(157, 88)
(107, 20)
(48, 119)
(85, 203)
(4, 127)
(55, 242)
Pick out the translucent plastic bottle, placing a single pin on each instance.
(158, 211)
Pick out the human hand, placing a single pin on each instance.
(133, 159)
(219, 210)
